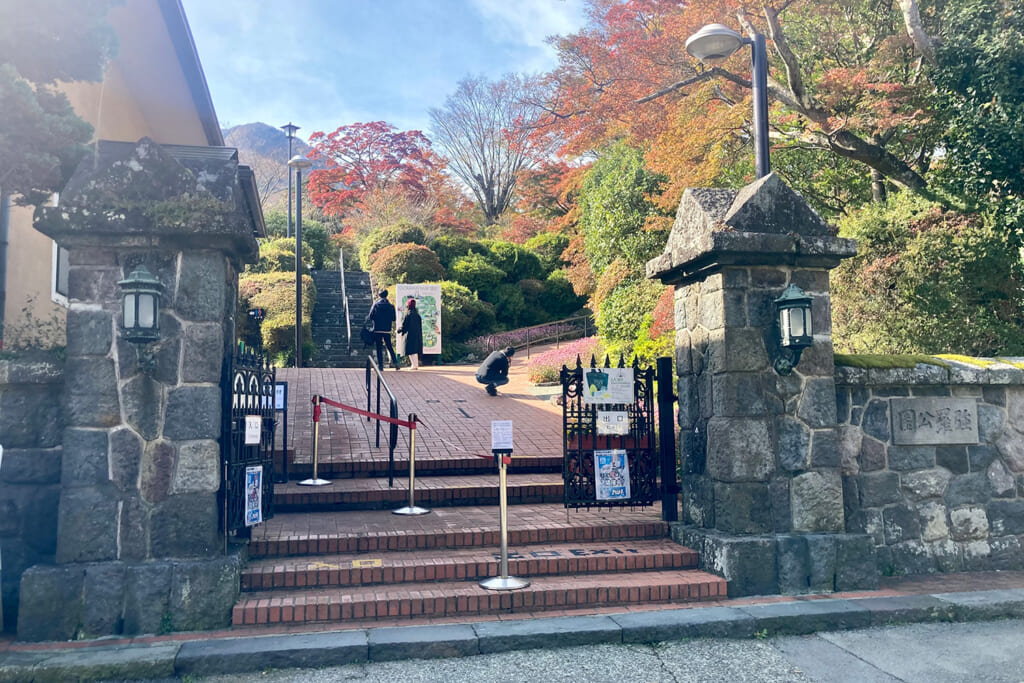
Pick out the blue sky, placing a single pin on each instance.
(326, 63)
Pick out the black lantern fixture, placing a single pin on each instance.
(140, 306)
(794, 327)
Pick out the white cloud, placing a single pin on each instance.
(531, 22)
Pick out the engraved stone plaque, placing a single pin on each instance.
(934, 421)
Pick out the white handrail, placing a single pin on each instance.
(344, 297)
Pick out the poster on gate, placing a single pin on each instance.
(254, 495)
(607, 385)
(611, 474)
(428, 303)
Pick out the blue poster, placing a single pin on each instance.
(611, 474)
(254, 495)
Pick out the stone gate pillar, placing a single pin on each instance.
(762, 492)
(139, 548)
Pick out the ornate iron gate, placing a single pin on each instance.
(248, 391)
(581, 437)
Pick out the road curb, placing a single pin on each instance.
(258, 653)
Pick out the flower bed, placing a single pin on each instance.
(545, 367)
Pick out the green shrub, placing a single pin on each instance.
(509, 304)
(275, 293)
(463, 314)
(450, 247)
(278, 255)
(626, 314)
(407, 263)
(559, 298)
(534, 311)
(514, 260)
(314, 235)
(928, 280)
(346, 242)
(399, 233)
(477, 274)
(548, 246)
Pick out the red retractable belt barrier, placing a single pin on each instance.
(411, 424)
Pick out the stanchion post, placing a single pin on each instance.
(316, 480)
(411, 508)
(504, 582)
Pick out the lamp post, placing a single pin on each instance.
(716, 42)
(289, 129)
(298, 162)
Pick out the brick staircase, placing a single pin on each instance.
(337, 554)
(329, 332)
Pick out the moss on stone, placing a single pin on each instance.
(883, 361)
(969, 360)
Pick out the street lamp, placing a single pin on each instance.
(298, 162)
(289, 129)
(716, 42)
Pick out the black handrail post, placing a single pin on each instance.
(667, 440)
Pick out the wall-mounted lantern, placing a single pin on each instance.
(140, 306)
(794, 327)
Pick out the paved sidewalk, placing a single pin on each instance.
(967, 597)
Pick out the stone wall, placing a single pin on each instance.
(31, 421)
(933, 464)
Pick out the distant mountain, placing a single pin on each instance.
(264, 148)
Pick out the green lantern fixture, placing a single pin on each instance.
(140, 306)
(794, 328)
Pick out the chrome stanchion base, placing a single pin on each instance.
(506, 583)
(413, 510)
(315, 482)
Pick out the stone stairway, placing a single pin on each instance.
(337, 554)
(329, 331)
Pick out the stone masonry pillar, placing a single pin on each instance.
(139, 548)
(762, 492)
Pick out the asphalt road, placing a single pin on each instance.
(926, 653)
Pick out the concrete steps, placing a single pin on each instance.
(330, 334)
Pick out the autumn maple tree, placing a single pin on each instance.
(368, 157)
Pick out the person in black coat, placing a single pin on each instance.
(412, 328)
(494, 370)
(382, 315)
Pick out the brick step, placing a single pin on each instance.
(446, 564)
(361, 531)
(425, 466)
(467, 598)
(374, 493)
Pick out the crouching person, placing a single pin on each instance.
(494, 370)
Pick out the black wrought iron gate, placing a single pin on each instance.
(596, 436)
(247, 468)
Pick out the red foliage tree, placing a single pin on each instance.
(369, 156)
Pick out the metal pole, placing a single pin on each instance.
(759, 67)
(298, 270)
(504, 582)
(316, 480)
(411, 509)
(667, 441)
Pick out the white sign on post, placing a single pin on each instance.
(280, 395)
(253, 427)
(501, 435)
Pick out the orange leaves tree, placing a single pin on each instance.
(847, 82)
(370, 157)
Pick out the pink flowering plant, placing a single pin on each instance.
(545, 367)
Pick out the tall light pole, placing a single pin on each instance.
(298, 162)
(716, 42)
(289, 129)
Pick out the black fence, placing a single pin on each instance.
(247, 465)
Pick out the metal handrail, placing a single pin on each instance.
(344, 298)
(558, 335)
(371, 367)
